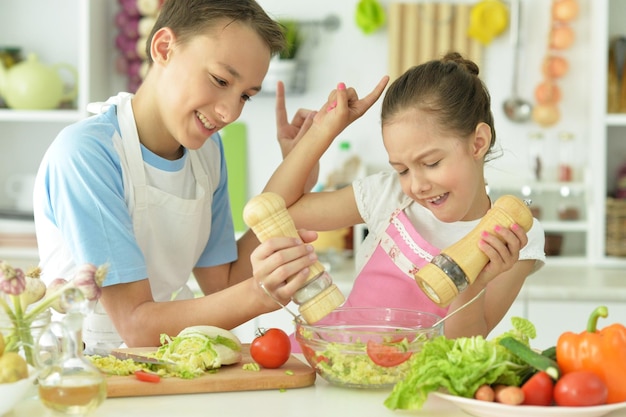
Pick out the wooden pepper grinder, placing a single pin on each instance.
(267, 216)
(457, 266)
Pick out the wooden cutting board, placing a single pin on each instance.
(227, 378)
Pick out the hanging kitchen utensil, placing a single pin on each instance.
(516, 108)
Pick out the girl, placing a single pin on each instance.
(142, 186)
(437, 128)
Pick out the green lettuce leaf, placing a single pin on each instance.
(459, 366)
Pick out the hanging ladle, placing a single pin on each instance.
(516, 108)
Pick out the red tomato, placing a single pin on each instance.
(580, 389)
(386, 354)
(271, 348)
(539, 389)
(146, 376)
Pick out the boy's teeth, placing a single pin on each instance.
(205, 121)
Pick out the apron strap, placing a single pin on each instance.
(128, 129)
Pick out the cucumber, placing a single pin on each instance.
(532, 358)
(550, 352)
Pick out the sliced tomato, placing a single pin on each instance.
(310, 353)
(539, 389)
(387, 354)
(146, 376)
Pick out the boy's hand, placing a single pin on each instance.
(289, 134)
(282, 264)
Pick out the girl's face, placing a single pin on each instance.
(205, 82)
(437, 169)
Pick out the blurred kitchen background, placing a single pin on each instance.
(99, 38)
(569, 163)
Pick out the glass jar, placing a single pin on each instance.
(536, 152)
(566, 157)
(69, 384)
(21, 335)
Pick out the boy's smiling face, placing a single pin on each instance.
(204, 82)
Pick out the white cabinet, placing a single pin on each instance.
(554, 317)
(518, 309)
(564, 211)
(608, 147)
(77, 32)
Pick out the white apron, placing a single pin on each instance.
(171, 231)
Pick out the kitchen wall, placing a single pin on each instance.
(360, 60)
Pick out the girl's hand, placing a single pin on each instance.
(502, 254)
(282, 264)
(343, 107)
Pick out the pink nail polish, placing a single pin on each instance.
(485, 234)
(332, 106)
(515, 226)
(341, 86)
(497, 228)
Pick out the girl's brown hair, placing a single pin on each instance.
(449, 89)
(190, 18)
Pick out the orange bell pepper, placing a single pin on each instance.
(602, 352)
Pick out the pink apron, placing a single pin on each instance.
(387, 279)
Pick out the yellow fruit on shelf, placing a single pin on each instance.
(488, 19)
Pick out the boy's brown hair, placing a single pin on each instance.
(190, 18)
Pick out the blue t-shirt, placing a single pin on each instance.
(81, 215)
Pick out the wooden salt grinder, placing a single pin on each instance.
(267, 216)
(457, 266)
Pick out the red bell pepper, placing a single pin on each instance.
(602, 352)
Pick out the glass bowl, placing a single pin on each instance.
(366, 347)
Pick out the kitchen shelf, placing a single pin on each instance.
(74, 32)
(565, 226)
(608, 129)
(64, 116)
(615, 119)
(7, 252)
(547, 197)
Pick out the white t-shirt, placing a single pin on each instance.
(379, 195)
(82, 210)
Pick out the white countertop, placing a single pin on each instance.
(321, 399)
(552, 282)
(584, 283)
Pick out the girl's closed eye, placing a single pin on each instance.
(433, 165)
(219, 81)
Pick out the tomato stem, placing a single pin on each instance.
(592, 324)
